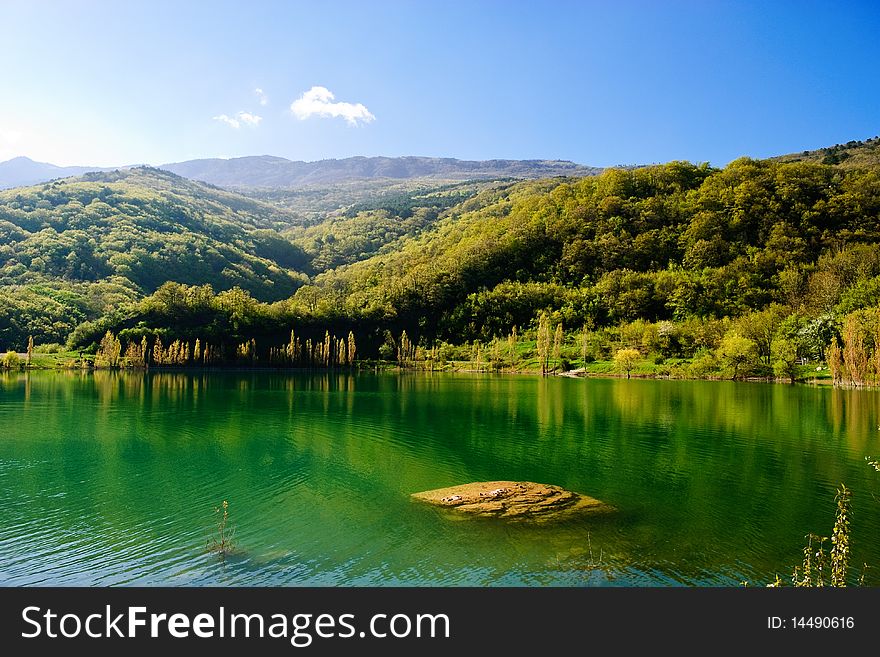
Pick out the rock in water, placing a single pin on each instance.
(514, 500)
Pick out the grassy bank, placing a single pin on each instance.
(678, 368)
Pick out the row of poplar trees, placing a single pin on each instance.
(332, 351)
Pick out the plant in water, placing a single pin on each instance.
(813, 571)
(223, 541)
(821, 567)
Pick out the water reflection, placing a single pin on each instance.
(112, 477)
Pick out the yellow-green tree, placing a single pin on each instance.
(542, 343)
(585, 344)
(352, 348)
(11, 360)
(557, 346)
(134, 355)
(854, 355)
(836, 366)
(109, 351)
(785, 359)
(625, 360)
(736, 352)
(158, 352)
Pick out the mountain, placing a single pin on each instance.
(21, 171)
(277, 172)
(269, 172)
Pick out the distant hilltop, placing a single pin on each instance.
(277, 172)
(23, 171)
(266, 171)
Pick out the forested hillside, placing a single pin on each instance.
(375, 224)
(665, 242)
(681, 261)
(74, 249)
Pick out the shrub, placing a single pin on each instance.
(11, 361)
(703, 365)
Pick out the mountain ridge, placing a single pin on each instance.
(281, 173)
(23, 171)
(274, 172)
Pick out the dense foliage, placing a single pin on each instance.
(748, 269)
(74, 249)
(661, 243)
(374, 226)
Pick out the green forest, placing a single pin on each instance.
(763, 268)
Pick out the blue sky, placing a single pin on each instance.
(601, 83)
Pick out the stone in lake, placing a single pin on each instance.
(513, 500)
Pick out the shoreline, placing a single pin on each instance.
(387, 367)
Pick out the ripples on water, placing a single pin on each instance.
(113, 479)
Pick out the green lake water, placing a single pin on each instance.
(111, 479)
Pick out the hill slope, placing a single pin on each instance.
(658, 243)
(77, 248)
(851, 155)
(677, 255)
(455, 261)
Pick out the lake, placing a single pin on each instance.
(113, 478)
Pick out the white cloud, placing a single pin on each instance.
(261, 95)
(232, 123)
(250, 119)
(318, 101)
(240, 118)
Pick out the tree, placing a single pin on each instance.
(388, 347)
(785, 363)
(761, 327)
(352, 348)
(625, 360)
(158, 352)
(405, 350)
(816, 335)
(835, 362)
(542, 343)
(109, 351)
(511, 347)
(134, 354)
(854, 356)
(11, 360)
(736, 352)
(557, 345)
(30, 351)
(585, 345)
